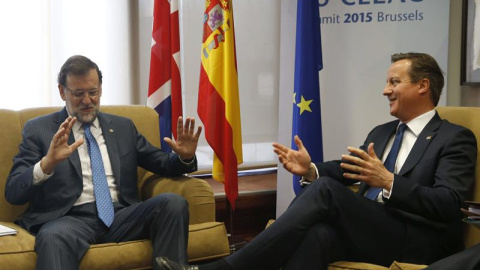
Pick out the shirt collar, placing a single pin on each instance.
(417, 124)
(79, 126)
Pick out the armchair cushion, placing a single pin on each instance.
(341, 265)
(16, 251)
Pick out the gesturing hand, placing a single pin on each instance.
(296, 162)
(59, 149)
(187, 141)
(369, 167)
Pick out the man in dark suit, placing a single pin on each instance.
(77, 169)
(420, 166)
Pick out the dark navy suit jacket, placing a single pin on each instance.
(53, 198)
(434, 181)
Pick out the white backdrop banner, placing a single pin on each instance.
(358, 38)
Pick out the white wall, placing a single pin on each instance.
(39, 35)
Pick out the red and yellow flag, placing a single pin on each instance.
(218, 102)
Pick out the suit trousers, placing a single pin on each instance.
(328, 222)
(61, 243)
(469, 259)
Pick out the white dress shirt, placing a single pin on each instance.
(414, 127)
(87, 195)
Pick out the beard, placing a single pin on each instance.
(85, 118)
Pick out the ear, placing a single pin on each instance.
(424, 86)
(62, 92)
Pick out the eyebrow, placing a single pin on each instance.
(84, 89)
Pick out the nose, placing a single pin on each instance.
(86, 99)
(387, 90)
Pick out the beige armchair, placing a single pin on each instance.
(207, 238)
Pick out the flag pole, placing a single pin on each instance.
(235, 242)
(229, 217)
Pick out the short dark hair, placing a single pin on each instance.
(77, 65)
(424, 66)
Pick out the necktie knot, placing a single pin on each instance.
(401, 129)
(86, 127)
(88, 136)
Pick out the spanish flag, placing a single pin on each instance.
(218, 102)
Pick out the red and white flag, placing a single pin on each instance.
(164, 89)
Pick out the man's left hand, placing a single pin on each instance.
(186, 143)
(368, 168)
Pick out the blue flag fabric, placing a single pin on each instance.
(307, 122)
(164, 110)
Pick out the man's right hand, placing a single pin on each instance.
(59, 149)
(296, 162)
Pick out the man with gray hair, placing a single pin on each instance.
(80, 178)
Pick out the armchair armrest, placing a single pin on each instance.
(354, 188)
(197, 192)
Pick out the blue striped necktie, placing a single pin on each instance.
(100, 185)
(372, 192)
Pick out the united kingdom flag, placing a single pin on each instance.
(164, 89)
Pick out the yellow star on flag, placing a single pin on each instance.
(294, 97)
(304, 105)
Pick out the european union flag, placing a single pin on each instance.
(307, 122)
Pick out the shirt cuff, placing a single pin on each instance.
(304, 182)
(188, 161)
(385, 193)
(38, 175)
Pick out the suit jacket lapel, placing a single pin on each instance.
(109, 134)
(381, 142)
(423, 140)
(379, 146)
